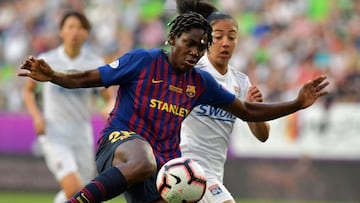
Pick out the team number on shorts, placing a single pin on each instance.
(215, 189)
(116, 135)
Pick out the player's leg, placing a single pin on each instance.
(71, 184)
(135, 159)
(216, 192)
(144, 192)
(122, 160)
(159, 201)
(85, 161)
(60, 197)
(61, 163)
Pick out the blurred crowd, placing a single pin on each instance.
(283, 43)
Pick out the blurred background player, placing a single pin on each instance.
(207, 130)
(64, 127)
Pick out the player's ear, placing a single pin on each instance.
(171, 40)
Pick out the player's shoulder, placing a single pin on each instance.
(203, 73)
(200, 70)
(50, 54)
(92, 54)
(237, 73)
(203, 62)
(148, 52)
(145, 54)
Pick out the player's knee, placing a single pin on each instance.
(136, 160)
(139, 169)
(144, 167)
(146, 163)
(148, 166)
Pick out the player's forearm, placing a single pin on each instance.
(72, 80)
(30, 103)
(265, 112)
(256, 112)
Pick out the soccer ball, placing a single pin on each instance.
(181, 180)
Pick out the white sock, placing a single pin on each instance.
(60, 197)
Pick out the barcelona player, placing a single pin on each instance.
(157, 90)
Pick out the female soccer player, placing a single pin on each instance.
(157, 90)
(207, 129)
(64, 125)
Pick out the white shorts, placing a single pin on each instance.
(63, 160)
(215, 192)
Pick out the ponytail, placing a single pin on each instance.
(202, 7)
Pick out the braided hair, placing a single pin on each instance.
(186, 21)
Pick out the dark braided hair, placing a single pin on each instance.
(186, 21)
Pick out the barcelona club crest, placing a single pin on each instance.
(190, 91)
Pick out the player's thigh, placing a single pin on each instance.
(135, 159)
(129, 152)
(216, 192)
(59, 159)
(85, 160)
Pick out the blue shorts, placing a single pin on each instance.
(143, 192)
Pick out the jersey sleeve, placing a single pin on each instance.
(124, 69)
(215, 94)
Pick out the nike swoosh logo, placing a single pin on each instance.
(178, 180)
(156, 81)
(84, 198)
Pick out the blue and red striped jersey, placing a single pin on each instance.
(153, 99)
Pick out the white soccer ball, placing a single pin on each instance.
(181, 180)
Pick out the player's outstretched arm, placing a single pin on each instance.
(307, 95)
(39, 70)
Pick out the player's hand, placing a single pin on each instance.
(254, 95)
(38, 69)
(311, 91)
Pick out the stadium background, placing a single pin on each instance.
(311, 155)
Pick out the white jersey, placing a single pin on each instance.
(205, 133)
(67, 112)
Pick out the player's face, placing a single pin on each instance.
(225, 39)
(187, 49)
(73, 33)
